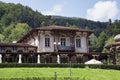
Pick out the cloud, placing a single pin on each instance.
(55, 10)
(102, 11)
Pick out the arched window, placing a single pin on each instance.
(47, 41)
(78, 42)
(63, 41)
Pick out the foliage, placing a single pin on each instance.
(101, 41)
(7, 31)
(1, 38)
(12, 13)
(92, 42)
(53, 65)
(82, 23)
(19, 30)
(108, 42)
(73, 26)
(113, 28)
(15, 32)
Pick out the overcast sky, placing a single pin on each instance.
(97, 10)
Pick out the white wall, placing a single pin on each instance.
(42, 48)
(83, 47)
(84, 44)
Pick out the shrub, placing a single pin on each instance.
(103, 66)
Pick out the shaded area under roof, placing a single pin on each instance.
(15, 45)
(112, 45)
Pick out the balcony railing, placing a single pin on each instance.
(66, 48)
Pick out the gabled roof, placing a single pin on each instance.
(16, 45)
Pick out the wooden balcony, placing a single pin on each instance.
(66, 48)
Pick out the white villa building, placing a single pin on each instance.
(50, 44)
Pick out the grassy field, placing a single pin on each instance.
(79, 73)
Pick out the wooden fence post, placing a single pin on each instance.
(55, 76)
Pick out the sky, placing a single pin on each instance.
(96, 10)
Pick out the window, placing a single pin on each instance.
(78, 42)
(47, 42)
(63, 42)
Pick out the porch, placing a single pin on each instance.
(60, 57)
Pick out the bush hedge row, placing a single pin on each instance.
(103, 66)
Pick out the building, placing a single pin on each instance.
(114, 49)
(50, 44)
(12, 52)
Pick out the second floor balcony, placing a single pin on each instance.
(66, 48)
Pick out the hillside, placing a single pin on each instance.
(16, 13)
(12, 13)
(80, 22)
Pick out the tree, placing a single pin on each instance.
(92, 42)
(7, 31)
(108, 42)
(19, 30)
(101, 41)
(113, 29)
(1, 38)
(73, 26)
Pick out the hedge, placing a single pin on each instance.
(103, 66)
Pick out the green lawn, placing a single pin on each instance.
(82, 74)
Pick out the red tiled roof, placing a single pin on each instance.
(16, 45)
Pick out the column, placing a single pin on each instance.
(81, 59)
(38, 58)
(108, 59)
(97, 57)
(0, 58)
(20, 58)
(81, 56)
(58, 59)
(94, 56)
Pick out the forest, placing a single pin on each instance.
(16, 20)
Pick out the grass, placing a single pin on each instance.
(82, 74)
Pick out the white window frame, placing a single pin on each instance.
(78, 42)
(63, 41)
(47, 41)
